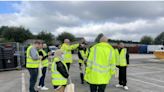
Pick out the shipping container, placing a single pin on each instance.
(133, 49)
(143, 49)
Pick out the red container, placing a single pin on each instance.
(134, 49)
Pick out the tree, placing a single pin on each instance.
(16, 34)
(48, 37)
(146, 40)
(2, 29)
(98, 37)
(66, 35)
(159, 39)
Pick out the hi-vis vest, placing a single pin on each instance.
(57, 78)
(30, 63)
(84, 55)
(67, 52)
(44, 62)
(121, 57)
(101, 64)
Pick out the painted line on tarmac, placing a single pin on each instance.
(155, 68)
(145, 73)
(147, 64)
(153, 84)
(23, 83)
(150, 78)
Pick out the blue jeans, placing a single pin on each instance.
(33, 78)
(41, 82)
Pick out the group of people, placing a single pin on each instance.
(97, 64)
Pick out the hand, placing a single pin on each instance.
(49, 53)
(40, 57)
(82, 45)
(85, 60)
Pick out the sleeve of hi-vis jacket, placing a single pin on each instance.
(69, 48)
(113, 63)
(74, 46)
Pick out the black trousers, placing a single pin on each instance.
(97, 88)
(33, 78)
(41, 82)
(68, 65)
(81, 73)
(122, 75)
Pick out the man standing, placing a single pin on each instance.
(83, 55)
(45, 64)
(67, 48)
(100, 65)
(32, 63)
(122, 61)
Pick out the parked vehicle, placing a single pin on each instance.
(152, 48)
(53, 48)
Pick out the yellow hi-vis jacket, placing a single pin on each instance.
(67, 52)
(30, 63)
(57, 78)
(84, 55)
(101, 64)
(45, 62)
(121, 57)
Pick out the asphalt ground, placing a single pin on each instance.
(145, 74)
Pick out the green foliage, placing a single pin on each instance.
(159, 39)
(66, 35)
(48, 37)
(16, 34)
(146, 40)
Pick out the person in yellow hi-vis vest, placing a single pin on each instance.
(101, 65)
(32, 63)
(59, 74)
(67, 48)
(45, 64)
(83, 55)
(122, 61)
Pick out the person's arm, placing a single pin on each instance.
(70, 47)
(34, 54)
(80, 56)
(127, 56)
(74, 46)
(41, 54)
(113, 63)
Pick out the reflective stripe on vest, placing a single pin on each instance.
(106, 68)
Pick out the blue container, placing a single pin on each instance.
(143, 49)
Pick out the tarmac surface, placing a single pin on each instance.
(145, 74)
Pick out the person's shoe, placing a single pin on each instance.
(44, 88)
(38, 87)
(118, 86)
(82, 82)
(126, 87)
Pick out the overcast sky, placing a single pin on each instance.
(117, 20)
